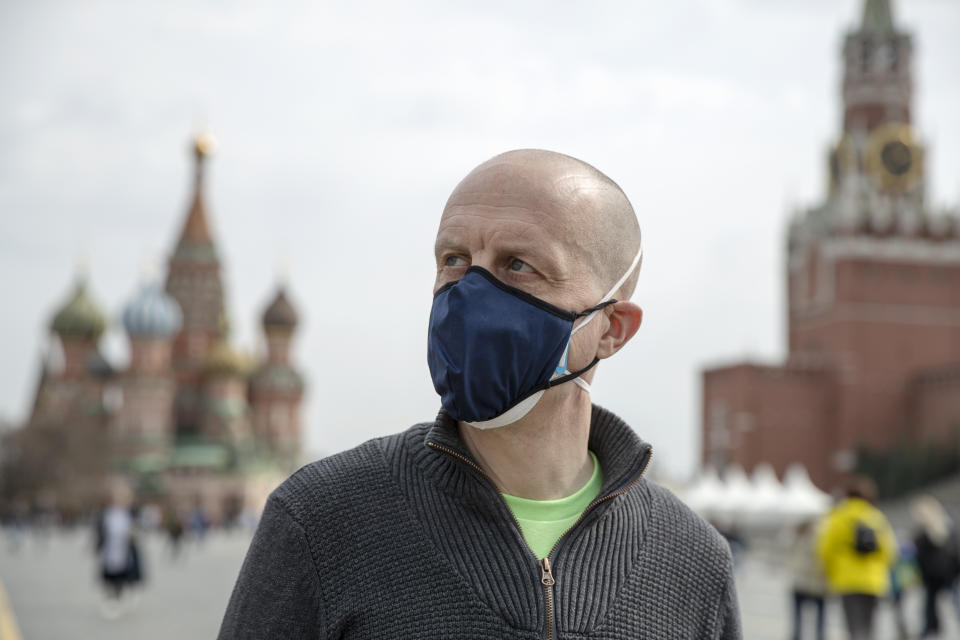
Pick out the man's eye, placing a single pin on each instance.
(454, 261)
(520, 265)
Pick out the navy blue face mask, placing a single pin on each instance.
(494, 349)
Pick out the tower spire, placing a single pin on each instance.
(194, 282)
(196, 231)
(877, 17)
(877, 75)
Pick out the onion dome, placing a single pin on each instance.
(204, 144)
(81, 317)
(277, 377)
(152, 313)
(280, 314)
(224, 360)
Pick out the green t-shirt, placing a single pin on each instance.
(544, 521)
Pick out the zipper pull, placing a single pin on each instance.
(546, 576)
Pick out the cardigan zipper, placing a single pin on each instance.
(476, 467)
(547, 578)
(546, 572)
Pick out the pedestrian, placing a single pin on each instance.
(17, 525)
(937, 555)
(173, 525)
(522, 510)
(808, 583)
(198, 523)
(857, 548)
(904, 576)
(117, 552)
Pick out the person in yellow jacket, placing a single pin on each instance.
(857, 548)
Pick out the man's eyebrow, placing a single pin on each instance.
(446, 244)
(549, 262)
(528, 251)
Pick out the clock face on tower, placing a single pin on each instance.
(893, 159)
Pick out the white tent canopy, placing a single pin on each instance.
(704, 494)
(761, 502)
(737, 496)
(801, 498)
(766, 504)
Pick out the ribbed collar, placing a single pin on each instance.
(622, 454)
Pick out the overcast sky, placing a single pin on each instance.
(343, 128)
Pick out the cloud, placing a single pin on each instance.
(343, 127)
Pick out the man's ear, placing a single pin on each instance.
(625, 318)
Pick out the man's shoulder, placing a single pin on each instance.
(340, 479)
(673, 524)
(687, 557)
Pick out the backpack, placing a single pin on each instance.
(864, 538)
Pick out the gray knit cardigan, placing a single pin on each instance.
(404, 537)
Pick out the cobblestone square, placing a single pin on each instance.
(52, 587)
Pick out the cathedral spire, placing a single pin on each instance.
(196, 231)
(194, 282)
(877, 17)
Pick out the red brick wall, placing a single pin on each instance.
(872, 116)
(887, 322)
(934, 405)
(884, 282)
(779, 415)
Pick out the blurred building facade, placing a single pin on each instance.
(189, 420)
(873, 281)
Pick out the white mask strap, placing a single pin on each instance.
(633, 265)
(511, 415)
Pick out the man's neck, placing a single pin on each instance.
(541, 457)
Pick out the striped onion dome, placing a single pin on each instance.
(152, 313)
(81, 316)
(280, 313)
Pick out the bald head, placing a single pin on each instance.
(585, 211)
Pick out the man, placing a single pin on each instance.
(857, 548)
(522, 511)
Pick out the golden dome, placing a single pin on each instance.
(204, 144)
(224, 360)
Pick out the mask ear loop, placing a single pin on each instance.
(608, 298)
(590, 313)
(561, 369)
(573, 375)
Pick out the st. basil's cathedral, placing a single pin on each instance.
(189, 421)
